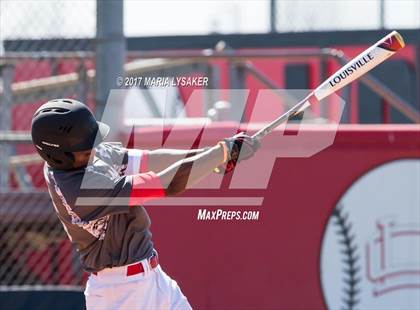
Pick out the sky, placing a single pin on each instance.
(77, 18)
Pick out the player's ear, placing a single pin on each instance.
(70, 156)
(87, 154)
(81, 158)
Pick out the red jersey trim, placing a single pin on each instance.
(144, 162)
(146, 186)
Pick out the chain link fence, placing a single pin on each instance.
(34, 249)
(320, 15)
(34, 246)
(31, 75)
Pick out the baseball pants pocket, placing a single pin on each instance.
(98, 296)
(171, 289)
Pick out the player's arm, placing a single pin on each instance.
(141, 161)
(161, 159)
(177, 177)
(185, 173)
(188, 171)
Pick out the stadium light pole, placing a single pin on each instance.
(110, 53)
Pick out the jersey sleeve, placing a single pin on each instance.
(145, 187)
(137, 161)
(125, 161)
(114, 154)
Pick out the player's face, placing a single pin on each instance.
(82, 158)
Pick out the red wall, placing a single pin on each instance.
(272, 263)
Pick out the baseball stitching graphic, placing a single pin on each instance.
(350, 258)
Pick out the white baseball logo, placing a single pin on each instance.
(370, 256)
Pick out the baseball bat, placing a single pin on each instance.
(359, 65)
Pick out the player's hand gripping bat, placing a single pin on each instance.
(359, 65)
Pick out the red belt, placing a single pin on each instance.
(138, 267)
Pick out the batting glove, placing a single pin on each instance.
(240, 147)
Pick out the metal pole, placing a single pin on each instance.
(273, 15)
(417, 68)
(110, 52)
(6, 78)
(83, 86)
(382, 14)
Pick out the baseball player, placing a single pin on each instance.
(112, 231)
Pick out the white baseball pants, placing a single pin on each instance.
(151, 290)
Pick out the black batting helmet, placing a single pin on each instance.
(63, 126)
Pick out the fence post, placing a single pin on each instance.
(83, 85)
(110, 54)
(6, 78)
(273, 16)
(417, 69)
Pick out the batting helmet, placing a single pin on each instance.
(63, 126)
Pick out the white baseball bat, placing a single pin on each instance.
(359, 65)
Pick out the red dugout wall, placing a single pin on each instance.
(272, 263)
